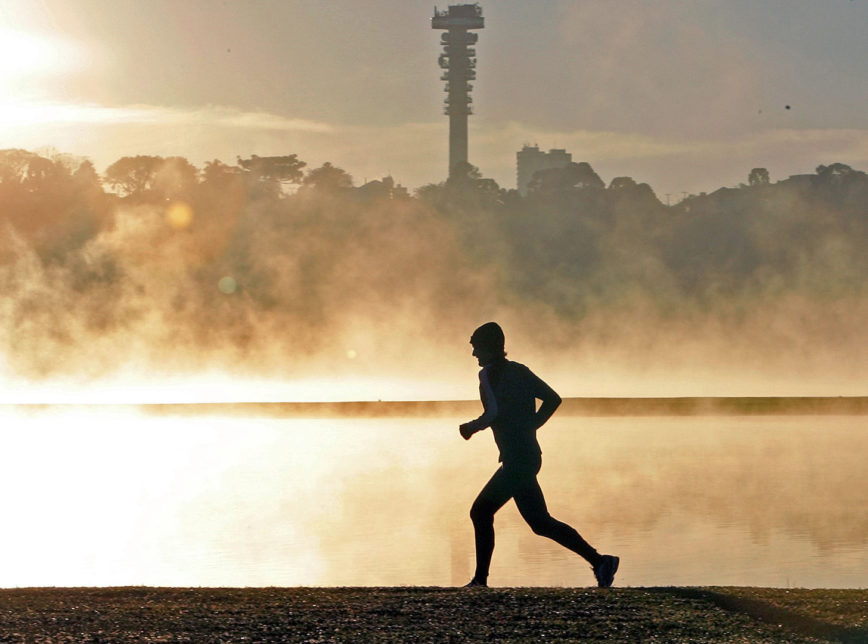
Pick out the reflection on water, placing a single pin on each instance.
(114, 497)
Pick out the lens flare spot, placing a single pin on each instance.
(352, 354)
(179, 215)
(227, 285)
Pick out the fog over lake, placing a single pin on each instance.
(121, 497)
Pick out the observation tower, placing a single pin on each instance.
(459, 62)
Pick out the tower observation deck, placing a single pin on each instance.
(458, 61)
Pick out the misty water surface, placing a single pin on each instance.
(119, 497)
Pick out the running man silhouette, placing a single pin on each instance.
(509, 391)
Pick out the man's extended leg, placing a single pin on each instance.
(532, 505)
(493, 496)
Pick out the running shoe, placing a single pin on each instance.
(605, 570)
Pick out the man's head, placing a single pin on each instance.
(488, 343)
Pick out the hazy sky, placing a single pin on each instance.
(687, 96)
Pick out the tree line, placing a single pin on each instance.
(221, 258)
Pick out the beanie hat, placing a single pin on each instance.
(490, 336)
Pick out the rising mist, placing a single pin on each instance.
(272, 269)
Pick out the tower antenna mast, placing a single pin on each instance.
(458, 61)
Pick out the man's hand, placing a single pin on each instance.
(466, 431)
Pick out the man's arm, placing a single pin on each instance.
(550, 401)
(489, 404)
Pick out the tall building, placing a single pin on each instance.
(532, 159)
(459, 62)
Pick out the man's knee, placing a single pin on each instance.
(542, 524)
(481, 514)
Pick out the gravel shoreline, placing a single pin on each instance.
(415, 614)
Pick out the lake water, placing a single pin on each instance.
(117, 496)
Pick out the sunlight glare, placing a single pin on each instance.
(133, 498)
(127, 388)
(24, 56)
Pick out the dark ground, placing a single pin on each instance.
(432, 615)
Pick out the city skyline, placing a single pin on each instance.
(684, 97)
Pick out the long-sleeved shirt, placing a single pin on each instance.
(509, 391)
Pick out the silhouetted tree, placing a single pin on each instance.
(133, 175)
(640, 195)
(154, 177)
(282, 169)
(30, 171)
(327, 178)
(86, 176)
(839, 189)
(463, 173)
(216, 172)
(467, 189)
(622, 183)
(758, 177)
(175, 177)
(583, 176)
(573, 176)
(834, 173)
(54, 209)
